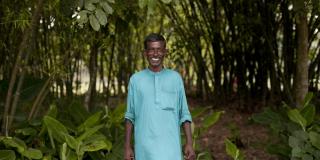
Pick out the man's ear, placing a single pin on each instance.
(144, 53)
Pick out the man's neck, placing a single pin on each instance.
(155, 69)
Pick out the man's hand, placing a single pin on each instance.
(189, 152)
(128, 153)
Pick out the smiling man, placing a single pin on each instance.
(156, 108)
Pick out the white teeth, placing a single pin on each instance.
(155, 59)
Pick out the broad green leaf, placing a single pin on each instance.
(93, 1)
(7, 155)
(95, 143)
(32, 153)
(94, 22)
(307, 99)
(307, 157)
(106, 7)
(300, 134)
(83, 17)
(308, 112)
(15, 142)
(90, 122)
(101, 16)
(71, 141)
(111, 1)
(295, 142)
(232, 149)
(211, 119)
(98, 138)
(89, 132)
(296, 152)
(63, 152)
(166, 1)
(295, 116)
(89, 6)
(315, 139)
(66, 153)
(117, 115)
(55, 128)
(27, 131)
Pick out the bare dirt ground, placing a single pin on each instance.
(233, 123)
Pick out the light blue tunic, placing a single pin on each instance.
(157, 106)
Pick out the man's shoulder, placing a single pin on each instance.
(174, 73)
(137, 75)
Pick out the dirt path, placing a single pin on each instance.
(231, 124)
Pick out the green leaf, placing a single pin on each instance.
(308, 112)
(211, 119)
(101, 16)
(90, 122)
(16, 143)
(32, 153)
(166, 1)
(315, 139)
(307, 99)
(66, 153)
(71, 141)
(89, 6)
(307, 157)
(232, 149)
(27, 131)
(295, 116)
(7, 155)
(83, 17)
(295, 142)
(106, 7)
(98, 138)
(94, 23)
(111, 1)
(55, 128)
(89, 132)
(96, 142)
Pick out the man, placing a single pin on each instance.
(157, 107)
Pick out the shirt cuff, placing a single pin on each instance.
(185, 118)
(130, 117)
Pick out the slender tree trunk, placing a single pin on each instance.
(89, 97)
(301, 79)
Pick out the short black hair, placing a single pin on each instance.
(153, 37)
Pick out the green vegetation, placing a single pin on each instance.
(296, 131)
(80, 54)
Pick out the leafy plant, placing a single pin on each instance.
(208, 120)
(60, 136)
(297, 131)
(233, 151)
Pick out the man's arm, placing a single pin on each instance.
(128, 152)
(189, 153)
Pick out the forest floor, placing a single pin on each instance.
(251, 137)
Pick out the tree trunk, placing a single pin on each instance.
(23, 45)
(301, 79)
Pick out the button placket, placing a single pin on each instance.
(157, 89)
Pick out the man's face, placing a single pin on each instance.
(155, 54)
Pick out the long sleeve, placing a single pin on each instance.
(184, 114)
(130, 113)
